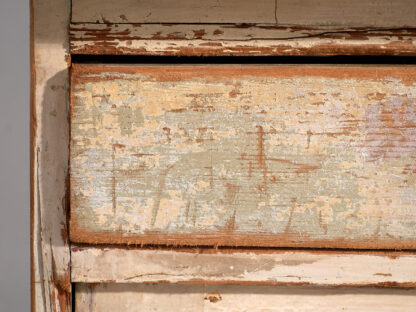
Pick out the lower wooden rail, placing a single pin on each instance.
(250, 267)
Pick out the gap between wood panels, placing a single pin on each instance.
(254, 249)
(339, 60)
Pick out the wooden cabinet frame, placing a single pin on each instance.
(54, 39)
(50, 254)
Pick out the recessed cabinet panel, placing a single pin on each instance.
(198, 298)
(248, 155)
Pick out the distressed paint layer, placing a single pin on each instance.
(194, 39)
(384, 13)
(314, 156)
(353, 12)
(233, 298)
(169, 11)
(50, 255)
(230, 266)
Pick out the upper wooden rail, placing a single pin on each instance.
(379, 13)
(239, 40)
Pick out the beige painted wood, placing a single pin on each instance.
(253, 155)
(383, 13)
(272, 267)
(194, 39)
(380, 13)
(233, 298)
(169, 11)
(51, 287)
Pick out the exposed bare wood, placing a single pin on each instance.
(51, 287)
(167, 39)
(169, 11)
(311, 156)
(271, 267)
(232, 298)
(382, 13)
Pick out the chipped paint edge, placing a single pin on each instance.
(239, 40)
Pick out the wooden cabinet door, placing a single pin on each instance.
(194, 185)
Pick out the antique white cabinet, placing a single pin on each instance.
(223, 155)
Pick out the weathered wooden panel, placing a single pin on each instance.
(170, 11)
(198, 298)
(316, 156)
(194, 39)
(381, 13)
(50, 257)
(351, 13)
(267, 267)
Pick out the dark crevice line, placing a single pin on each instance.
(317, 35)
(318, 60)
(196, 248)
(73, 290)
(337, 29)
(247, 25)
(307, 36)
(70, 11)
(166, 23)
(275, 12)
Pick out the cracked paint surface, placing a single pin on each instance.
(245, 150)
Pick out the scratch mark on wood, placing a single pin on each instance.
(275, 12)
(159, 191)
(289, 220)
(113, 182)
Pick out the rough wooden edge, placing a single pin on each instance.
(80, 235)
(50, 253)
(239, 40)
(32, 157)
(244, 267)
(85, 73)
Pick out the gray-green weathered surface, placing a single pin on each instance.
(316, 156)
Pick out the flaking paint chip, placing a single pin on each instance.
(213, 297)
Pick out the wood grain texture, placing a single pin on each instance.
(243, 40)
(50, 257)
(232, 298)
(311, 156)
(381, 13)
(260, 267)
(169, 11)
